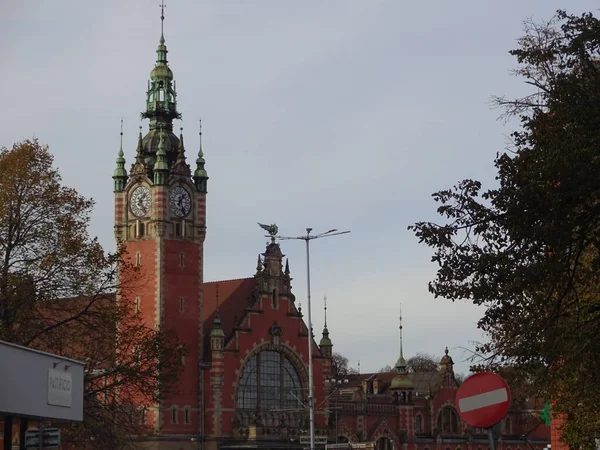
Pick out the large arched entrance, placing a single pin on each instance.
(271, 394)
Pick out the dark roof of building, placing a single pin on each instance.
(232, 297)
(424, 383)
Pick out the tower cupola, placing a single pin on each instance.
(161, 107)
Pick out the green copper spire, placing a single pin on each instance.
(401, 380)
(161, 97)
(120, 174)
(200, 175)
(161, 167)
(401, 363)
(325, 341)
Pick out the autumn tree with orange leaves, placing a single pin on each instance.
(58, 293)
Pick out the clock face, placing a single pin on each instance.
(140, 201)
(180, 201)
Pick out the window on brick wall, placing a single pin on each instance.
(138, 259)
(174, 414)
(137, 305)
(448, 421)
(507, 426)
(181, 304)
(269, 381)
(418, 423)
(188, 414)
(143, 415)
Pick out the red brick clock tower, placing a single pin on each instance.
(160, 216)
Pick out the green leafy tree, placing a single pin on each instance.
(528, 249)
(57, 293)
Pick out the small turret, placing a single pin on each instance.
(200, 175)
(326, 345)
(120, 174)
(447, 371)
(217, 335)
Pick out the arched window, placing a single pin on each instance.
(448, 421)
(418, 423)
(269, 381)
(507, 426)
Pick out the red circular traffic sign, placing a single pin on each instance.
(483, 399)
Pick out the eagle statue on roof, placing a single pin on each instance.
(270, 229)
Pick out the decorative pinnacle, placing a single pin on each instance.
(161, 155)
(180, 149)
(138, 156)
(325, 308)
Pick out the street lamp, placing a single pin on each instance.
(311, 399)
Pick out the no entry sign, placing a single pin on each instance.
(483, 399)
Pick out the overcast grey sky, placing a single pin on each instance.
(335, 113)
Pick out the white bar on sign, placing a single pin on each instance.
(482, 400)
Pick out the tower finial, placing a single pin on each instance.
(121, 134)
(162, 20)
(401, 350)
(200, 153)
(325, 308)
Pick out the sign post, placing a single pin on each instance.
(483, 400)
